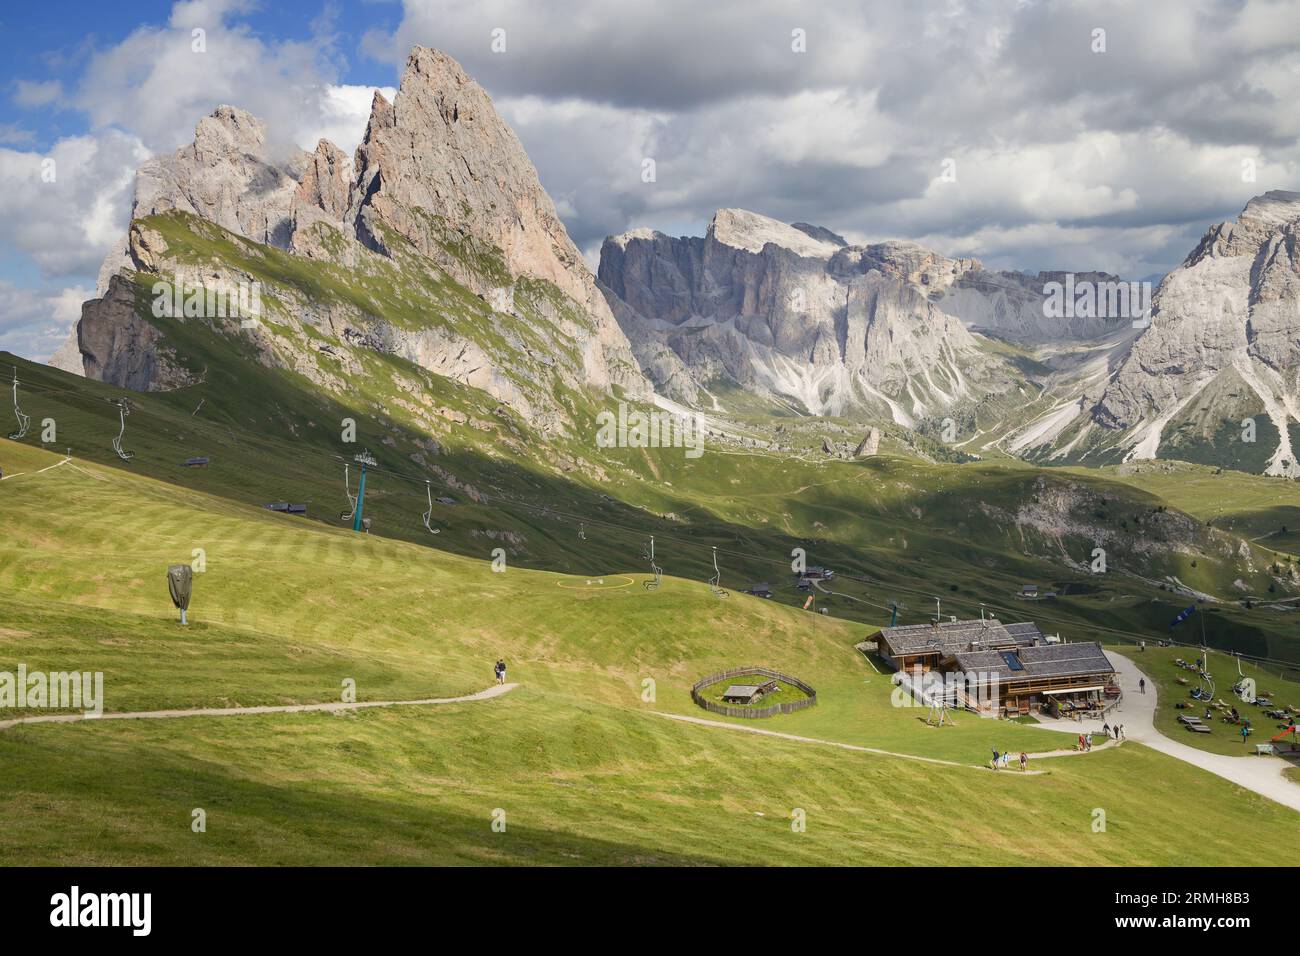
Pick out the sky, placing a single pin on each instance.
(1031, 135)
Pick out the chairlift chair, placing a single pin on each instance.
(23, 420)
(123, 409)
(347, 490)
(715, 582)
(648, 552)
(1245, 692)
(428, 515)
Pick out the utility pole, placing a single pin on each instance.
(363, 459)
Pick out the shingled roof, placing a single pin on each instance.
(953, 637)
(1043, 661)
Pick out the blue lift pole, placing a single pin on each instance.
(364, 459)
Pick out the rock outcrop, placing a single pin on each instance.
(119, 346)
(440, 164)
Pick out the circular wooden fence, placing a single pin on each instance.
(730, 711)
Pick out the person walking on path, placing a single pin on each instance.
(1105, 729)
(995, 758)
(1024, 761)
(1142, 684)
(500, 671)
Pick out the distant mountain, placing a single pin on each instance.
(1224, 345)
(798, 314)
(435, 245)
(1215, 378)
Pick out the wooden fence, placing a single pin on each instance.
(730, 711)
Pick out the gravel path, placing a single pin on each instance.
(496, 690)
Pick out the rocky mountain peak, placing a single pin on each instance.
(750, 231)
(796, 314)
(442, 148)
(1276, 207)
(1221, 323)
(229, 129)
(438, 168)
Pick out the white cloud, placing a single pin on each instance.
(1053, 142)
(161, 80)
(31, 94)
(343, 113)
(72, 202)
(35, 322)
(11, 134)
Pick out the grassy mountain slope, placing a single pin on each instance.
(910, 531)
(582, 767)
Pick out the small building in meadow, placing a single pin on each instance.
(747, 693)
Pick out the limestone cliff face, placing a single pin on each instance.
(118, 346)
(440, 183)
(1232, 309)
(439, 164)
(796, 313)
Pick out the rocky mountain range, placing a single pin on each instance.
(437, 244)
(796, 313)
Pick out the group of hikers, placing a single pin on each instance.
(1110, 733)
(1002, 760)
